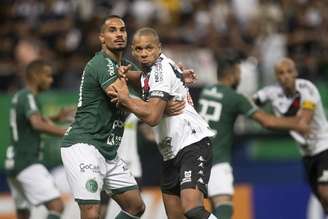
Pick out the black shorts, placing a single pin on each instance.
(191, 168)
(316, 168)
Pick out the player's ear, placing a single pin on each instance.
(101, 38)
(160, 47)
(133, 50)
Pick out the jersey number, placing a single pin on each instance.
(213, 115)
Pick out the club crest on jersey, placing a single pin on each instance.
(91, 185)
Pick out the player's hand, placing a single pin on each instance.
(66, 114)
(122, 70)
(174, 107)
(119, 91)
(189, 77)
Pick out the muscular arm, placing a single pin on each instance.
(40, 124)
(150, 112)
(297, 123)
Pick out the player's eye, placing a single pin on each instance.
(111, 29)
(138, 49)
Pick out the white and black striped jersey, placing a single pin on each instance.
(164, 80)
(308, 97)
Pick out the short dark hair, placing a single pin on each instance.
(35, 67)
(102, 27)
(147, 31)
(227, 62)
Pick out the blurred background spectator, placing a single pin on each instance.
(65, 33)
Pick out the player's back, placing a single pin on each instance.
(220, 106)
(25, 140)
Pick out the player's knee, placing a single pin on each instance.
(55, 205)
(197, 213)
(89, 211)
(138, 209)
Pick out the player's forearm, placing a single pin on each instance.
(279, 123)
(43, 126)
(141, 109)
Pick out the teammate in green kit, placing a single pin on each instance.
(30, 182)
(220, 105)
(89, 148)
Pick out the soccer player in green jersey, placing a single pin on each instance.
(220, 105)
(30, 182)
(89, 148)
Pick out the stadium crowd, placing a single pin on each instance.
(65, 32)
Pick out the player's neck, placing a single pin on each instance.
(32, 87)
(115, 55)
(225, 82)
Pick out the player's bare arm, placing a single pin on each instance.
(281, 123)
(42, 125)
(65, 114)
(150, 112)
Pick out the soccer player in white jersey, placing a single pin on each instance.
(183, 140)
(301, 98)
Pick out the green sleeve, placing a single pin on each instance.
(245, 106)
(105, 72)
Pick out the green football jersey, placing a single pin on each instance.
(220, 105)
(25, 148)
(97, 122)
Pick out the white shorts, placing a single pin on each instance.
(32, 186)
(221, 180)
(88, 173)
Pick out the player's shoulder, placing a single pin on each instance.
(134, 67)
(272, 89)
(22, 94)
(98, 60)
(306, 86)
(220, 91)
(165, 63)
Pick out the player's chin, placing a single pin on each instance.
(119, 48)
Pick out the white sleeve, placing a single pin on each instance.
(160, 81)
(310, 96)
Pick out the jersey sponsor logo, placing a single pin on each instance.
(158, 72)
(118, 124)
(114, 139)
(91, 185)
(187, 177)
(324, 176)
(110, 68)
(84, 167)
